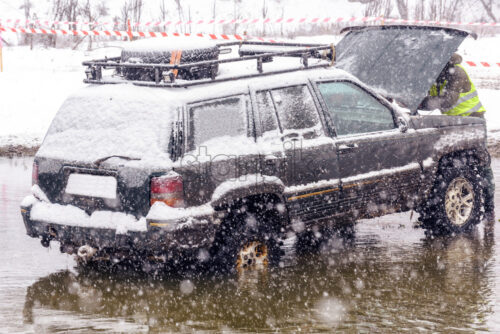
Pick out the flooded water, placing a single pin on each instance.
(389, 278)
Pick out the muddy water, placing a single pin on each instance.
(388, 278)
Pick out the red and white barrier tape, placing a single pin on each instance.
(481, 64)
(122, 33)
(291, 20)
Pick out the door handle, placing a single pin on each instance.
(347, 148)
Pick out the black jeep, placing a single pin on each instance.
(222, 162)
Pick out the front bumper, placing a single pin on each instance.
(157, 238)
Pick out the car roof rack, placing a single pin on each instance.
(165, 74)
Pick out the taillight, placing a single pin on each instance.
(169, 190)
(34, 173)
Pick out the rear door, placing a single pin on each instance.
(294, 145)
(220, 145)
(378, 165)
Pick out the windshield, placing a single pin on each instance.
(113, 120)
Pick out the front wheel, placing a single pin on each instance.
(454, 205)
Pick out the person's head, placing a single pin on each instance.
(455, 59)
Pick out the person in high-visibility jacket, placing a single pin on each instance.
(454, 94)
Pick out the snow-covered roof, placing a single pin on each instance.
(133, 121)
(180, 96)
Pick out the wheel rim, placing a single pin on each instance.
(253, 254)
(459, 201)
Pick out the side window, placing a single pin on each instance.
(289, 108)
(354, 110)
(217, 118)
(295, 108)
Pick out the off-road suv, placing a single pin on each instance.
(223, 167)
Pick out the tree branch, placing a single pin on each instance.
(489, 10)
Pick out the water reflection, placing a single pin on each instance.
(436, 284)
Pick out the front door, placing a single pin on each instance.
(378, 164)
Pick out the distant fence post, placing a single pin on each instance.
(129, 30)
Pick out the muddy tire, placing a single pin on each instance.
(248, 239)
(454, 205)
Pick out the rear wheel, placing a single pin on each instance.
(454, 205)
(254, 254)
(248, 240)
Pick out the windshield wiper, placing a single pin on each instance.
(98, 162)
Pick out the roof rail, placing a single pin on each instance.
(164, 74)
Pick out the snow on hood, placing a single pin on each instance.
(101, 121)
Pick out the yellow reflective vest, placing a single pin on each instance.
(467, 102)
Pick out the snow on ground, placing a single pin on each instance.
(35, 83)
(33, 86)
(490, 98)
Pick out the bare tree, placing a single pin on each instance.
(131, 10)
(420, 10)
(265, 10)
(179, 11)
(61, 10)
(376, 7)
(189, 18)
(136, 7)
(488, 7)
(448, 10)
(402, 8)
(125, 15)
(71, 9)
(282, 16)
(214, 14)
(92, 14)
(236, 13)
(26, 7)
(163, 11)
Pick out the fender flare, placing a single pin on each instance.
(233, 190)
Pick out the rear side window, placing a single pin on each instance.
(295, 107)
(354, 110)
(289, 108)
(217, 118)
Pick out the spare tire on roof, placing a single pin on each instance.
(159, 51)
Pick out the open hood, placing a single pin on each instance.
(399, 61)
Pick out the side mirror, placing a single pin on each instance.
(402, 124)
